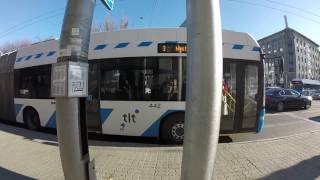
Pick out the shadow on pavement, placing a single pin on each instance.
(7, 174)
(225, 139)
(25, 133)
(307, 169)
(48, 137)
(316, 118)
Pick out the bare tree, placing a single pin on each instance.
(124, 23)
(11, 46)
(110, 24)
(95, 28)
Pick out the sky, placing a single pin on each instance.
(40, 19)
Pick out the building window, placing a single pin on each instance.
(291, 69)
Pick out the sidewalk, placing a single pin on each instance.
(26, 154)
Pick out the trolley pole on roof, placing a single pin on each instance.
(70, 87)
(204, 89)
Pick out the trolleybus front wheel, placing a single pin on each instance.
(31, 119)
(172, 129)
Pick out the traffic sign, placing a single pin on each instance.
(108, 3)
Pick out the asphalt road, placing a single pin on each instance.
(286, 123)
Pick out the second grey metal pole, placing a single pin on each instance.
(204, 89)
(71, 115)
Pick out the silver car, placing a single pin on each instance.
(308, 94)
(316, 95)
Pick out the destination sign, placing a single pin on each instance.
(172, 48)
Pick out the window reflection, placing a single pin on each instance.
(229, 96)
(250, 103)
(33, 82)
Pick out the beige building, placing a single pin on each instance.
(290, 55)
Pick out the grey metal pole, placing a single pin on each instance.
(204, 89)
(71, 115)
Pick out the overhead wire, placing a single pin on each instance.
(294, 7)
(28, 21)
(277, 9)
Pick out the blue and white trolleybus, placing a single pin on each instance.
(137, 84)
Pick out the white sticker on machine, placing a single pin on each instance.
(78, 81)
(70, 80)
(59, 77)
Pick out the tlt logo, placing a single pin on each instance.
(129, 118)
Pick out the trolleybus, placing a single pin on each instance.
(137, 84)
(305, 84)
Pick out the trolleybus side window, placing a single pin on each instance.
(33, 82)
(125, 79)
(143, 79)
(170, 79)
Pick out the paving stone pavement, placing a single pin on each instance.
(26, 154)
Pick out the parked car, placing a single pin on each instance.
(316, 95)
(308, 94)
(281, 99)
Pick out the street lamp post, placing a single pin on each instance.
(69, 84)
(204, 89)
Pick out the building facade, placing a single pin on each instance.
(290, 55)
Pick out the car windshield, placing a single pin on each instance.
(293, 92)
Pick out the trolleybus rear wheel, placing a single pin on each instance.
(31, 119)
(172, 129)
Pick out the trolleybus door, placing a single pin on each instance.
(93, 100)
(250, 100)
(240, 97)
